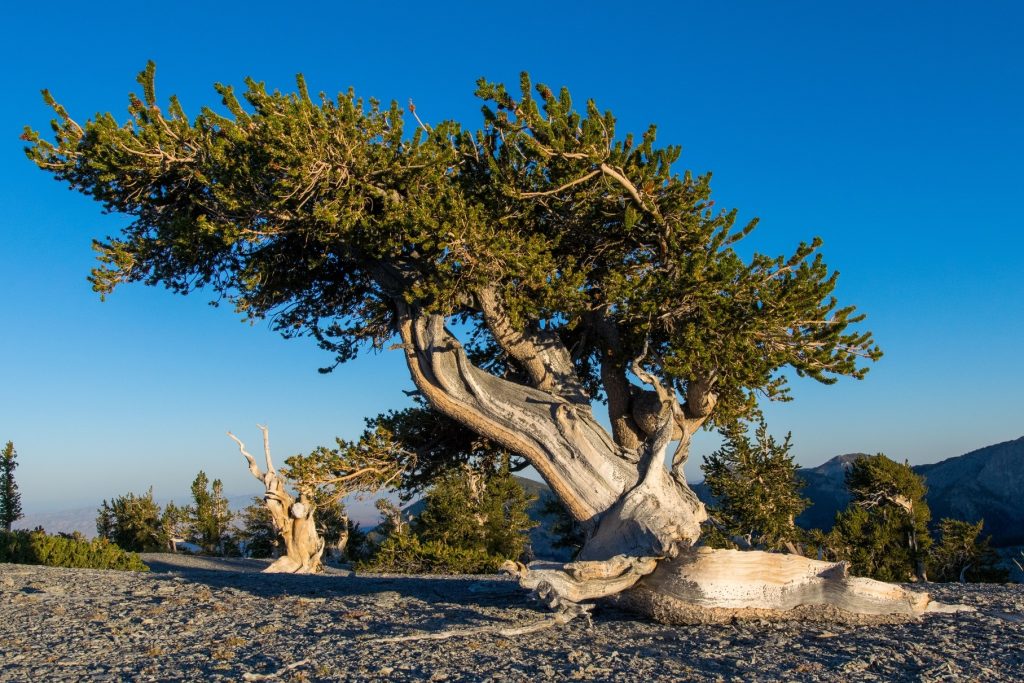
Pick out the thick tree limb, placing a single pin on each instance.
(542, 355)
(567, 446)
(617, 387)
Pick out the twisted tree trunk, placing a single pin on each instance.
(642, 519)
(293, 519)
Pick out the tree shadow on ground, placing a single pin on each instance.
(246, 575)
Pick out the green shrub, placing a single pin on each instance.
(404, 553)
(37, 547)
(961, 555)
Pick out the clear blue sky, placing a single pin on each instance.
(895, 131)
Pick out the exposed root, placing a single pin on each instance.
(552, 621)
(577, 582)
(713, 586)
(277, 674)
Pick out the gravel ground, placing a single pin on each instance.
(202, 619)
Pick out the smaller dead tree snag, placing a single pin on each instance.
(323, 479)
(293, 519)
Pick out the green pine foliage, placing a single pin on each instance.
(961, 555)
(407, 553)
(583, 234)
(453, 514)
(10, 497)
(756, 488)
(503, 506)
(133, 523)
(482, 512)
(174, 522)
(37, 547)
(471, 523)
(883, 533)
(258, 536)
(210, 518)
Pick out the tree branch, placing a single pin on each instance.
(542, 355)
(253, 467)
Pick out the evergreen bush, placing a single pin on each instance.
(37, 547)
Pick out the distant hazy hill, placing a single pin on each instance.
(826, 489)
(83, 519)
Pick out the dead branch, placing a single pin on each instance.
(266, 448)
(506, 632)
(253, 467)
(277, 674)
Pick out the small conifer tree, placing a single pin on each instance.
(10, 497)
(961, 555)
(209, 516)
(471, 522)
(258, 535)
(132, 523)
(175, 524)
(757, 489)
(884, 530)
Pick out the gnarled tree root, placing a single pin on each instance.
(709, 586)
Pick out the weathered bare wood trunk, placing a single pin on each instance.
(293, 519)
(642, 519)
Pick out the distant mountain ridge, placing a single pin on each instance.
(987, 483)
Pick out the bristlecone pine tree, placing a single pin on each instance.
(883, 532)
(10, 497)
(757, 489)
(577, 259)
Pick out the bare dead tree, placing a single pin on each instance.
(293, 519)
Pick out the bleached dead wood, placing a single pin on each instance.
(293, 519)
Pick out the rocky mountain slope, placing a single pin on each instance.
(984, 484)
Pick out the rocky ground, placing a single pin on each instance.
(203, 619)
